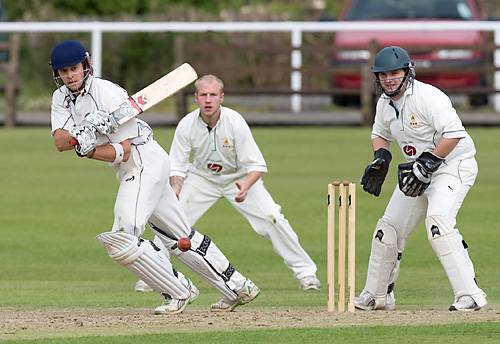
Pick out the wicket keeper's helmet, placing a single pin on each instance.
(391, 58)
(67, 53)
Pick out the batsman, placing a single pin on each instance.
(432, 184)
(81, 115)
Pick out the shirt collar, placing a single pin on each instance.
(201, 121)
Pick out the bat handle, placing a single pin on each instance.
(73, 142)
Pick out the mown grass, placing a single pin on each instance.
(53, 204)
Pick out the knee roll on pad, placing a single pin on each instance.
(448, 245)
(145, 260)
(438, 226)
(383, 261)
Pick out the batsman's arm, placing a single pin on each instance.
(108, 152)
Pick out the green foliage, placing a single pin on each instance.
(102, 7)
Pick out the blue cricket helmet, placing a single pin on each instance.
(67, 53)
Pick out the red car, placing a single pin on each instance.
(427, 48)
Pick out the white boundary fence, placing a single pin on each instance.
(294, 28)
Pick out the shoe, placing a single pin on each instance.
(245, 295)
(367, 302)
(176, 306)
(464, 303)
(309, 283)
(142, 287)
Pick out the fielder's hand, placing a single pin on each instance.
(415, 177)
(375, 173)
(242, 195)
(104, 122)
(85, 138)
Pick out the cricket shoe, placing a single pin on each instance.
(246, 294)
(142, 287)
(367, 302)
(176, 306)
(464, 303)
(309, 283)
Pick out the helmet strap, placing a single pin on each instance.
(407, 80)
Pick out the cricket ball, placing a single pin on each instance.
(184, 244)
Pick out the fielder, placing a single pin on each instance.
(228, 164)
(80, 110)
(432, 185)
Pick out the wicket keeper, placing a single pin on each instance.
(432, 184)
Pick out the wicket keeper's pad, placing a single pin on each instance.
(446, 242)
(383, 259)
(144, 260)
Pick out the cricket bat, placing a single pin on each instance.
(153, 94)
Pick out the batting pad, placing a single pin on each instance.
(145, 261)
(207, 260)
(383, 260)
(446, 242)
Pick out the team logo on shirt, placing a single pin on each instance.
(227, 143)
(214, 167)
(409, 150)
(412, 120)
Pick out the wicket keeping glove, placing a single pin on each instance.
(375, 173)
(415, 177)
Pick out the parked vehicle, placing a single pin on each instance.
(429, 49)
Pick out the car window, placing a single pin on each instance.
(409, 9)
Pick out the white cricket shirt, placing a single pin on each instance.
(425, 117)
(222, 154)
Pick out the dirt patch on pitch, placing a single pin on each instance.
(16, 324)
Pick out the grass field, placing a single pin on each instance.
(54, 273)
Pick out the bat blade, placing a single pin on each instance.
(155, 93)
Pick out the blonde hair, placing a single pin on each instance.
(209, 78)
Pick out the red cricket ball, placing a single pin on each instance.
(184, 244)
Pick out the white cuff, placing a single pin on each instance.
(118, 153)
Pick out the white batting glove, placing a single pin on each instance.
(104, 122)
(86, 138)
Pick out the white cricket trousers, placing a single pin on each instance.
(439, 205)
(198, 195)
(145, 194)
(443, 197)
